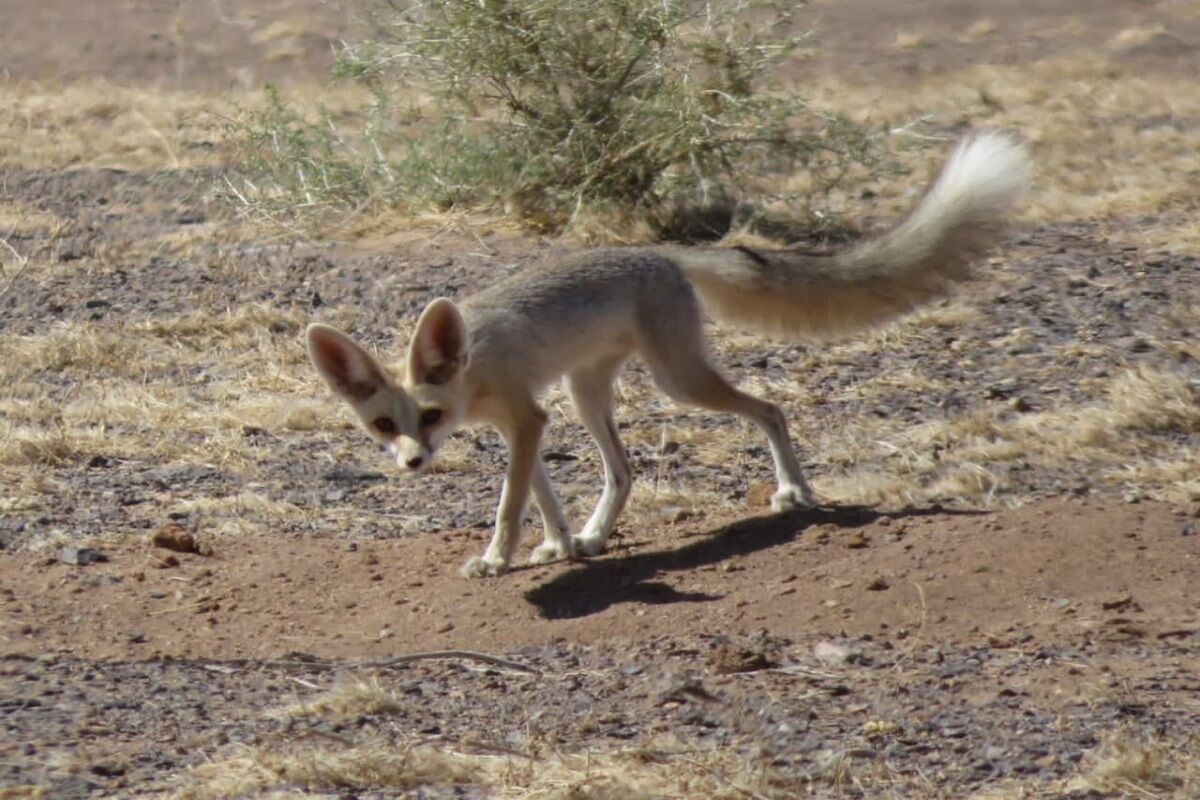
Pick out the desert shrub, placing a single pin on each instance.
(549, 109)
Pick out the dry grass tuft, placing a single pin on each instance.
(1133, 37)
(19, 219)
(978, 29)
(349, 699)
(1131, 766)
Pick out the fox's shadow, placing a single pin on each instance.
(592, 586)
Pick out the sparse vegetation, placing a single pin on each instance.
(152, 370)
(557, 111)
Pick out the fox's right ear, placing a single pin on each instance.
(349, 370)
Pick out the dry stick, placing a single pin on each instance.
(385, 663)
(912, 647)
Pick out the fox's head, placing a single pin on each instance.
(411, 416)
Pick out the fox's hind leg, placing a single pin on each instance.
(591, 390)
(680, 366)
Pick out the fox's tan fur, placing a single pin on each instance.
(488, 360)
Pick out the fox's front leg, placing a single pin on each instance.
(557, 543)
(524, 440)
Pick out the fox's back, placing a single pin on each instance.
(553, 316)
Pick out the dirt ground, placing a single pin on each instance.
(998, 601)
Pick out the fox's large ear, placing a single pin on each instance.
(349, 370)
(440, 345)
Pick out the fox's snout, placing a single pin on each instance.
(411, 459)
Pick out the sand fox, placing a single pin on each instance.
(487, 359)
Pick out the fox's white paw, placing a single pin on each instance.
(547, 552)
(481, 567)
(790, 498)
(590, 544)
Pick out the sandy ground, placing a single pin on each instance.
(1029, 631)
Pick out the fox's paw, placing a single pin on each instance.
(791, 498)
(590, 544)
(546, 552)
(480, 567)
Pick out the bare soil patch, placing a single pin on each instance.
(1067, 571)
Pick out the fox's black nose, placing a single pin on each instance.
(414, 462)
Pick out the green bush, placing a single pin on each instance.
(549, 109)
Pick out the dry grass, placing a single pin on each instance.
(631, 774)
(1108, 142)
(1133, 37)
(96, 124)
(1125, 765)
(20, 219)
(78, 391)
(962, 458)
(349, 699)
(1132, 766)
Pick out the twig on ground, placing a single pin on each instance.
(385, 663)
(916, 639)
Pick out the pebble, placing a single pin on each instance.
(81, 556)
(173, 536)
(855, 541)
(835, 654)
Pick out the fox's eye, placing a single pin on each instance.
(385, 425)
(430, 417)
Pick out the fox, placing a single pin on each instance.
(487, 359)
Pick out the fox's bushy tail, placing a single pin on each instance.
(805, 295)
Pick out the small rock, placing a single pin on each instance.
(878, 585)
(834, 654)
(675, 514)
(878, 728)
(1121, 601)
(173, 536)
(855, 541)
(108, 769)
(346, 475)
(1021, 405)
(81, 556)
(728, 660)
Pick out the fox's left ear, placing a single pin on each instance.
(440, 345)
